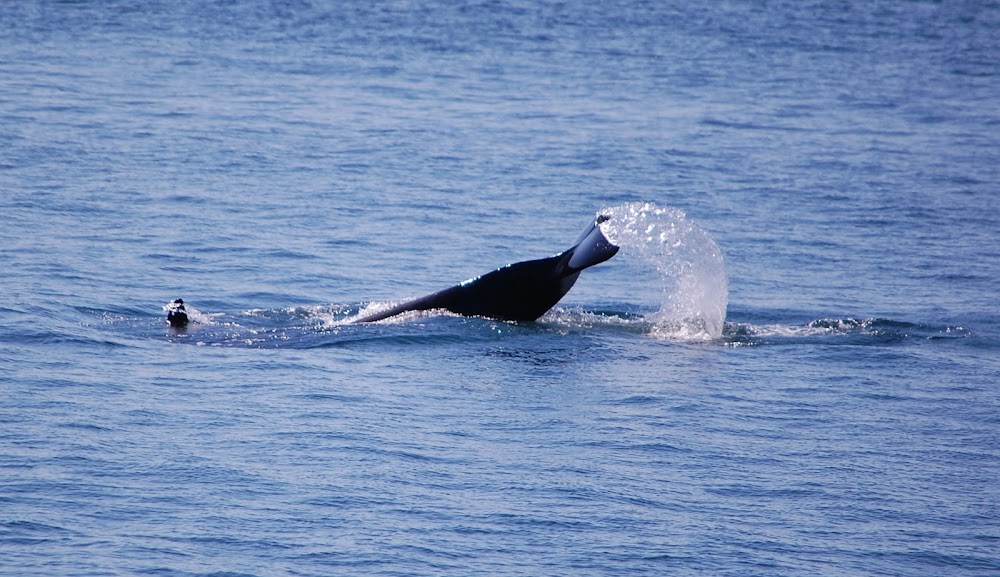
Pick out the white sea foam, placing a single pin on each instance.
(688, 263)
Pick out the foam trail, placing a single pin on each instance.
(690, 265)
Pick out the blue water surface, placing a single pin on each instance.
(283, 165)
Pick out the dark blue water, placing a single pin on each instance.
(284, 166)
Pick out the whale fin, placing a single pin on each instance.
(522, 291)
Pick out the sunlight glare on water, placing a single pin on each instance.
(695, 289)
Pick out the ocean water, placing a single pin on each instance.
(791, 368)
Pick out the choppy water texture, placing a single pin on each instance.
(790, 368)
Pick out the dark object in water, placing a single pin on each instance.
(176, 314)
(522, 291)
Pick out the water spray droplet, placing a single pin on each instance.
(690, 265)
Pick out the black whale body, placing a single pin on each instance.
(522, 291)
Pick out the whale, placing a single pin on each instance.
(521, 291)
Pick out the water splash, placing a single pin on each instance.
(690, 266)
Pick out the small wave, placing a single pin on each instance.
(870, 330)
(320, 315)
(580, 318)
